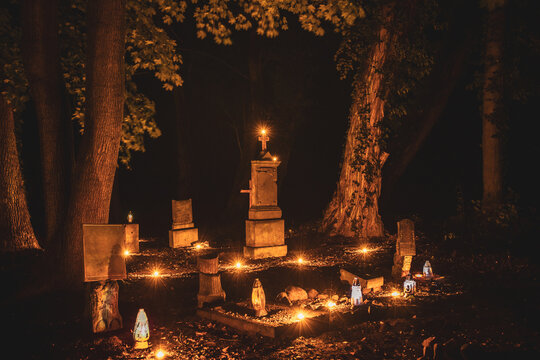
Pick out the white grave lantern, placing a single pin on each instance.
(141, 331)
(428, 272)
(130, 217)
(356, 293)
(409, 285)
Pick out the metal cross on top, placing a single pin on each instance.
(263, 139)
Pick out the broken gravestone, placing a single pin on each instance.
(183, 232)
(405, 248)
(210, 290)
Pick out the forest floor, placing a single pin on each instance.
(482, 306)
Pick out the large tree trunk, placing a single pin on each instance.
(41, 57)
(492, 112)
(98, 153)
(16, 232)
(354, 208)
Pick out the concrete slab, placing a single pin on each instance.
(183, 237)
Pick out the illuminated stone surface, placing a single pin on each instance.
(265, 232)
(104, 306)
(183, 232)
(103, 252)
(210, 290)
(265, 251)
(132, 238)
(405, 248)
(258, 299)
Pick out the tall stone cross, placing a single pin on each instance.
(263, 139)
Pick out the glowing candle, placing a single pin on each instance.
(141, 331)
(126, 253)
(160, 354)
(130, 217)
(198, 246)
(300, 316)
(356, 293)
(238, 265)
(300, 260)
(427, 270)
(395, 293)
(156, 273)
(330, 304)
(409, 285)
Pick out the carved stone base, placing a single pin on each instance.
(104, 306)
(269, 232)
(265, 251)
(183, 237)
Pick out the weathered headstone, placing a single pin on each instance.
(183, 232)
(258, 299)
(132, 238)
(405, 248)
(104, 262)
(103, 252)
(265, 230)
(210, 290)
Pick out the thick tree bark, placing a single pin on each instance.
(41, 57)
(16, 231)
(354, 208)
(492, 112)
(184, 187)
(98, 153)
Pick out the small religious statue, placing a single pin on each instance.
(130, 217)
(141, 331)
(356, 293)
(409, 285)
(427, 271)
(258, 299)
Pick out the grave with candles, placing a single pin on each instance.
(265, 229)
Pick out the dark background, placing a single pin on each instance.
(302, 85)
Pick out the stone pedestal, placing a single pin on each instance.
(132, 238)
(265, 230)
(210, 290)
(183, 232)
(104, 306)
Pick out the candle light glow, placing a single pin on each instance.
(160, 354)
(300, 316)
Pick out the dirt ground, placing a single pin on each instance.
(483, 306)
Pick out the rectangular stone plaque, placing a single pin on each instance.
(103, 252)
(132, 238)
(182, 212)
(406, 245)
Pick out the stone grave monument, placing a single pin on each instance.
(104, 263)
(265, 230)
(210, 290)
(183, 232)
(132, 238)
(405, 248)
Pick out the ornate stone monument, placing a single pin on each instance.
(183, 232)
(104, 262)
(210, 290)
(265, 230)
(405, 248)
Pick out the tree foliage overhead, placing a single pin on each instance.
(151, 49)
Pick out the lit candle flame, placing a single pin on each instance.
(238, 265)
(418, 275)
(198, 246)
(364, 250)
(156, 273)
(263, 131)
(396, 293)
(160, 354)
(126, 253)
(300, 316)
(274, 158)
(330, 304)
(300, 260)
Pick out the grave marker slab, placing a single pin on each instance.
(103, 252)
(183, 232)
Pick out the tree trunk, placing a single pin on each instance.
(354, 208)
(41, 57)
(16, 232)
(492, 112)
(98, 153)
(183, 187)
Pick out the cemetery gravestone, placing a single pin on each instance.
(210, 290)
(405, 248)
(265, 230)
(183, 232)
(132, 238)
(104, 262)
